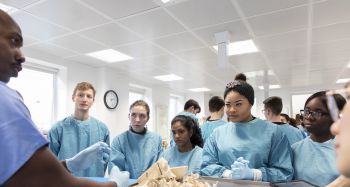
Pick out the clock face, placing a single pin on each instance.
(111, 99)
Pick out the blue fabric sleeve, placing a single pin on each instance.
(19, 137)
(280, 160)
(210, 165)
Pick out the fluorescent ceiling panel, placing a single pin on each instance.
(273, 86)
(258, 73)
(8, 9)
(199, 89)
(240, 47)
(109, 55)
(340, 81)
(167, 78)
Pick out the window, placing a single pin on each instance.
(37, 89)
(298, 102)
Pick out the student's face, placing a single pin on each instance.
(341, 129)
(11, 56)
(83, 99)
(181, 135)
(317, 125)
(237, 107)
(138, 118)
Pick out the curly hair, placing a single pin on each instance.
(190, 124)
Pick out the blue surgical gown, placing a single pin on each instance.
(19, 138)
(293, 134)
(134, 152)
(261, 142)
(208, 127)
(192, 159)
(69, 136)
(315, 162)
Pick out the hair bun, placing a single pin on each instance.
(240, 77)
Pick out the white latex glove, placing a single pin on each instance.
(241, 170)
(120, 177)
(96, 153)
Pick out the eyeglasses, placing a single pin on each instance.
(332, 104)
(314, 114)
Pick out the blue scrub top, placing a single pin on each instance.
(262, 143)
(315, 162)
(192, 159)
(19, 136)
(134, 152)
(70, 136)
(208, 127)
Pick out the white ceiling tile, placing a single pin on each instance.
(140, 50)
(83, 59)
(153, 24)
(237, 30)
(329, 12)
(199, 13)
(77, 43)
(332, 32)
(279, 22)
(111, 34)
(282, 42)
(67, 13)
(51, 49)
(201, 55)
(38, 29)
(19, 4)
(288, 55)
(27, 40)
(179, 42)
(256, 7)
(331, 48)
(120, 8)
(248, 62)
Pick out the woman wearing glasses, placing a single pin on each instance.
(314, 158)
(136, 149)
(246, 147)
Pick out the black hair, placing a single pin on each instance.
(339, 99)
(241, 76)
(274, 103)
(286, 116)
(240, 86)
(216, 103)
(190, 124)
(190, 103)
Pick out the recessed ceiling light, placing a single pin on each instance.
(340, 81)
(8, 9)
(273, 86)
(240, 47)
(257, 73)
(199, 89)
(165, 1)
(109, 55)
(167, 78)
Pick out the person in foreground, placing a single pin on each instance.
(246, 147)
(314, 158)
(189, 143)
(25, 158)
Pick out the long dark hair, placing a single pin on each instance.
(190, 124)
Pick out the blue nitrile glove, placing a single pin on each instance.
(96, 153)
(241, 170)
(120, 177)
